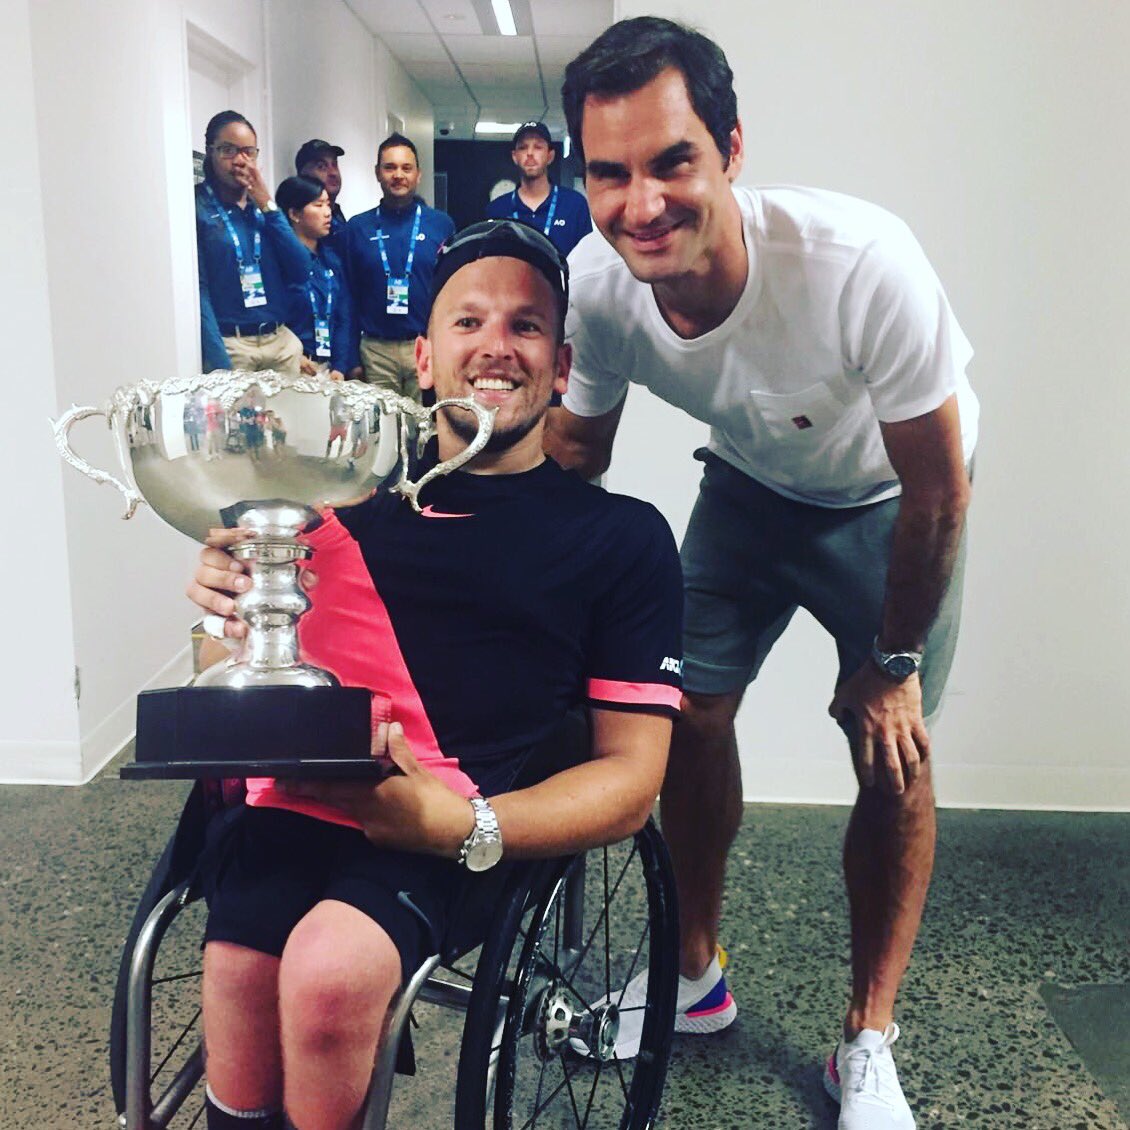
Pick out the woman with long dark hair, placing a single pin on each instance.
(242, 281)
(319, 306)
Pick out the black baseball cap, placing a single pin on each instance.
(509, 238)
(540, 128)
(312, 150)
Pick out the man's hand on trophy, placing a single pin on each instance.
(410, 808)
(220, 578)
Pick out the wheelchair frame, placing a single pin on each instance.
(532, 997)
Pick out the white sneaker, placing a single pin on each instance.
(702, 1006)
(861, 1077)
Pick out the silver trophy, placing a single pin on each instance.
(263, 452)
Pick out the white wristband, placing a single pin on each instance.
(213, 625)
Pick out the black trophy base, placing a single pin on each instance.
(288, 732)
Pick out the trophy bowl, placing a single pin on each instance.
(264, 452)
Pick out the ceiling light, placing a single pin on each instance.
(504, 128)
(504, 17)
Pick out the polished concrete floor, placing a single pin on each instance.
(1014, 1013)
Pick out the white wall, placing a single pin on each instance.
(312, 40)
(41, 731)
(100, 287)
(998, 132)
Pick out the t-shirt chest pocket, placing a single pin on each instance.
(805, 416)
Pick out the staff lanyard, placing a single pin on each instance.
(548, 219)
(327, 274)
(233, 235)
(381, 237)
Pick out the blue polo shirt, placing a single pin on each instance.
(367, 274)
(336, 240)
(325, 276)
(222, 311)
(571, 220)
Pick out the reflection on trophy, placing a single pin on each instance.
(261, 452)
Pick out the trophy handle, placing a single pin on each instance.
(485, 417)
(62, 429)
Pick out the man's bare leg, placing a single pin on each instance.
(888, 860)
(338, 973)
(701, 811)
(241, 1026)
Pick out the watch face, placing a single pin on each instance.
(900, 666)
(483, 855)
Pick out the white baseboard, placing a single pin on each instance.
(1057, 788)
(40, 763)
(111, 735)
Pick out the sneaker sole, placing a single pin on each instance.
(831, 1083)
(703, 1023)
(695, 1025)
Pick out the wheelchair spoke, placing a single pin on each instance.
(184, 1032)
(592, 1095)
(174, 977)
(608, 897)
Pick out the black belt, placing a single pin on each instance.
(230, 329)
(380, 337)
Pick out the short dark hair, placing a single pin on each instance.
(296, 192)
(212, 131)
(392, 141)
(632, 52)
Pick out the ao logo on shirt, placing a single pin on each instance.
(673, 665)
(558, 223)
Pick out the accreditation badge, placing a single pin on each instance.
(251, 279)
(321, 337)
(397, 296)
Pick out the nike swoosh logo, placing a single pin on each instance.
(430, 512)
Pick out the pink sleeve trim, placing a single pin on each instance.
(637, 694)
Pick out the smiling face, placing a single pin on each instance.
(532, 155)
(398, 175)
(493, 335)
(324, 168)
(227, 155)
(658, 188)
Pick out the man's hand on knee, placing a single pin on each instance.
(884, 723)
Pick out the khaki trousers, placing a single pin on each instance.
(280, 351)
(391, 365)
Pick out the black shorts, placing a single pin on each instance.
(276, 865)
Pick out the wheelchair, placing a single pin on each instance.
(537, 958)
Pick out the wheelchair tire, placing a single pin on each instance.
(548, 980)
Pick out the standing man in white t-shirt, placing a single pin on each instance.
(809, 330)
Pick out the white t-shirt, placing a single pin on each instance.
(842, 324)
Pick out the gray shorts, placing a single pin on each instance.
(751, 557)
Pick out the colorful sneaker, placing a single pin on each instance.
(701, 1006)
(861, 1077)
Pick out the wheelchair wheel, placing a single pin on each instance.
(540, 1041)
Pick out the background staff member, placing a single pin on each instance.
(318, 159)
(392, 256)
(557, 212)
(242, 288)
(319, 309)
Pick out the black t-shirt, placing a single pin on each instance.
(480, 622)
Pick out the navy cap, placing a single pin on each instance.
(312, 150)
(508, 238)
(540, 128)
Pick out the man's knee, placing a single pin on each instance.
(706, 719)
(332, 985)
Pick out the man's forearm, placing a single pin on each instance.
(924, 547)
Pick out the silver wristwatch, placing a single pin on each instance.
(896, 665)
(482, 849)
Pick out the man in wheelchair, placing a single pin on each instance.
(517, 594)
